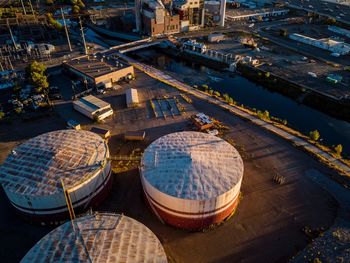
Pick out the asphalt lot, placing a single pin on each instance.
(269, 218)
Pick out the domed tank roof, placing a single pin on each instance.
(36, 166)
(192, 165)
(102, 237)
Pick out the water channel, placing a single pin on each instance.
(299, 116)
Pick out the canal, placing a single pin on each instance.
(299, 116)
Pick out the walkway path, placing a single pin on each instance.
(300, 142)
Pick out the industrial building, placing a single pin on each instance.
(98, 238)
(33, 173)
(255, 14)
(102, 72)
(159, 17)
(191, 179)
(132, 98)
(93, 108)
(334, 46)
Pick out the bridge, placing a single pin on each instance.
(137, 47)
(132, 46)
(119, 35)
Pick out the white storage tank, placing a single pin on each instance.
(99, 238)
(32, 173)
(191, 180)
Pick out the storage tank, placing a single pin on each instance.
(32, 173)
(101, 237)
(191, 180)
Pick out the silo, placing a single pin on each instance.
(32, 173)
(191, 180)
(98, 238)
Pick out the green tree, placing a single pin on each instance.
(18, 110)
(2, 115)
(226, 97)
(211, 92)
(217, 94)
(36, 73)
(230, 100)
(75, 9)
(338, 149)
(54, 23)
(267, 74)
(266, 115)
(314, 135)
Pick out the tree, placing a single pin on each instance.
(36, 74)
(217, 94)
(266, 115)
(267, 74)
(230, 100)
(2, 115)
(54, 22)
(314, 135)
(226, 97)
(211, 92)
(18, 110)
(338, 149)
(40, 82)
(75, 9)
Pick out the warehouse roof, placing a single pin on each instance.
(98, 238)
(192, 165)
(91, 103)
(94, 67)
(36, 166)
(132, 96)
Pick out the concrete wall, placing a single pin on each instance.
(115, 76)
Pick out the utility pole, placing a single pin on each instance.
(10, 62)
(66, 30)
(31, 7)
(12, 38)
(24, 9)
(82, 35)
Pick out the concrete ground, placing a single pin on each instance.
(267, 226)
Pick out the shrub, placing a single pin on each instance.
(226, 97)
(338, 149)
(217, 94)
(314, 135)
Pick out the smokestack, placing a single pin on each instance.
(222, 12)
(138, 15)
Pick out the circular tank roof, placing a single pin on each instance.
(192, 165)
(36, 166)
(101, 237)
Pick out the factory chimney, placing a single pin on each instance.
(222, 12)
(138, 15)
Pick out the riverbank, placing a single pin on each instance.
(340, 165)
(302, 94)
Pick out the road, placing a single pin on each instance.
(299, 142)
(337, 11)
